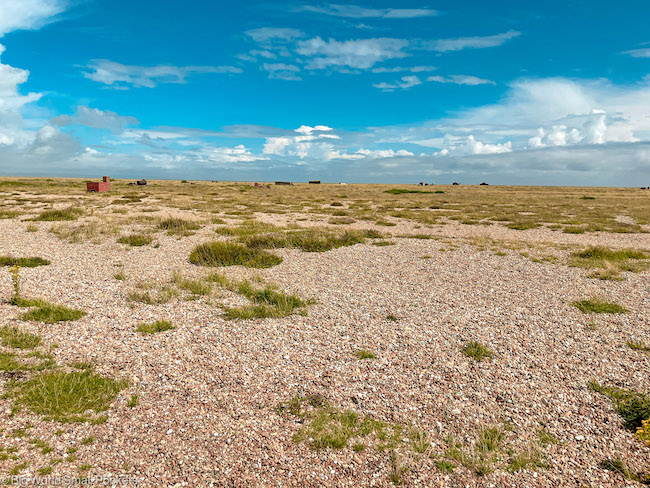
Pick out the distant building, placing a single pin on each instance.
(283, 183)
(141, 182)
(314, 182)
(99, 187)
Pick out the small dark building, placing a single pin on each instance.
(455, 183)
(283, 183)
(314, 182)
(142, 182)
(484, 184)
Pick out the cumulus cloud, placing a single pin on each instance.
(28, 14)
(356, 53)
(121, 75)
(98, 119)
(470, 146)
(461, 80)
(313, 142)
(354, 11)
(404, 83)
(476, 42)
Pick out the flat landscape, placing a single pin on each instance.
(222, 334)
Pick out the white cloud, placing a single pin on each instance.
(120, 75)
(397, 69)
(311, 142)
(476, 42)
(354, 11)
(461, 80)
(28, 14)
(470, 146)
(404, 83)
(266, 34)
(356, 53)
(98, 119)
(639, 53)
(282, 71)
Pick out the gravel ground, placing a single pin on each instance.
(209, 389)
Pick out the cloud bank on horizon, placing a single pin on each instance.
(337, 92)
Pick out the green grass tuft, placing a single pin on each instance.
(158, 326)
(136, 240)
(596, 305)
(477, 351)
(47, 312)
(311, 240)
(401, 191)
(363, 354)
(70, 213)
(65, 397)
(231, 254)
(174, 225)
(633, 406)
(15, 338)
(23, 262)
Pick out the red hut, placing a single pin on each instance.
(104, 185)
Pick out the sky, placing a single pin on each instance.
(506, 92)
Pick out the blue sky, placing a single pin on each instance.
(509, 92)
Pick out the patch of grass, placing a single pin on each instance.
(82, 365)
(8, 362)
(608, 263)
(477, 351)
(133, 402)
(23, 262)
(267, 302)
(136, 240)
(151, 294)
(544, 438)
(529, 458)
(638, 346)
(120, 276)
(445, 466)
(326, 427)
(632, 406)
(230, 254)
(383, 243)
(47, 312)
(619, 465)
(341, 220)
(364, 354)
(595, 305)
(401, 191)
(65, 397)
(45, 471)
(88, 440)
(174, 225)
(15, 338)
(312, 240)
(195, 287)
(247, 228)
(523, 225)
(18, 468)
(391, 317)
(398, 469)
(157, 326)
(70, 213)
